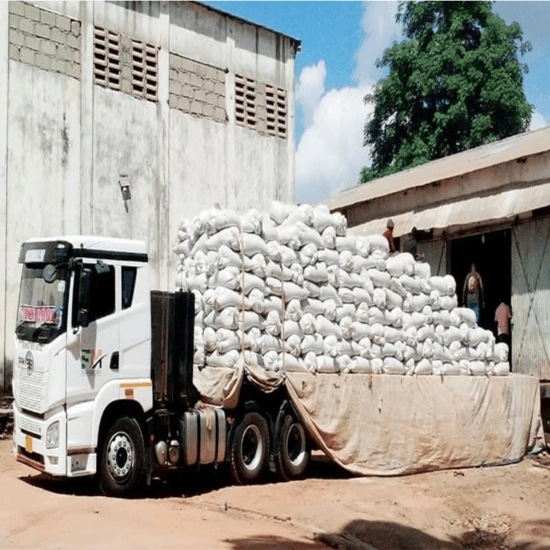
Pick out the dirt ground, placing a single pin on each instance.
(506, 507)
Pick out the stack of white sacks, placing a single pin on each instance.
(290, 290)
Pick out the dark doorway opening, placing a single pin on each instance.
(491, 252)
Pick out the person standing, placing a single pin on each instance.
(503, 320)
(472, 292)
(389, 235)
(411, 244)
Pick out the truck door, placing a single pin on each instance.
(93, 350)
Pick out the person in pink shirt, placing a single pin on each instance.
(503, 320)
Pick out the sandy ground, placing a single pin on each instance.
(506, 507)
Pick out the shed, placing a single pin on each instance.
(489, 205)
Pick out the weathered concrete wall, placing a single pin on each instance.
(5, 313)
(43, 167)
(163, 108)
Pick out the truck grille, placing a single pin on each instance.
(29, 425)
(31, 388)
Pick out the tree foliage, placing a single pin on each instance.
(454, 84)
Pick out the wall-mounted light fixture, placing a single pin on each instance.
(125, 187)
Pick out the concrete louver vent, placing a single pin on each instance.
(144, 70)
(245, 101)
(276, 111)
(107, 69)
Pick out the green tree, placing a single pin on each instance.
(454, 84)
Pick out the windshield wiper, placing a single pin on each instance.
(37, 332)
(20, 329)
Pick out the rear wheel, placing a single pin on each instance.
(249, 449)
(292, 456)
(122, 454)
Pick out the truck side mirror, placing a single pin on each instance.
(84, 287)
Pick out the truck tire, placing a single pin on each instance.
(121, 467)
(249, 449)
(292, 456)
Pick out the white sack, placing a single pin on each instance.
(293, 310)
(316, 273)
(347, 310)
(348, 243)
(229, 277)
(225, 360)
(393, 366)
(330, 344)
(293, 345)
(331, 307)
(326, 364)
(501, 369)
(273, 323)
(446, 285)
(424, 366)
(329, 237)
(379, 242)
(400, 264)
(379, 278)
(249, 320)
(328, 257)
(273, 303)
(411, 283)
(326, 328)
(422, 270)
(360, 365)
(226, 318)
(448, 302)
(313, 343)
(270, 343)
(313, 306)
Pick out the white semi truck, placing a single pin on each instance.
(104, 370)
(103, 377)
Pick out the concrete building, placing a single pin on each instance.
(121, 118)
(489, 205)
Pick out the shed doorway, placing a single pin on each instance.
(491, 252)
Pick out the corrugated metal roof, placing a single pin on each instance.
(521, 145)
(506, 204)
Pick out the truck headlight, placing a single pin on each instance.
(52, 436)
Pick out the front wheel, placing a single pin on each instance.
(292, 456)
(249, 449)
(122, 454)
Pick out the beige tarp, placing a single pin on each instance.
(390, 425)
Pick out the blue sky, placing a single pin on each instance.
(336, 68)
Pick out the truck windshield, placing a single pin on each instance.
(41, 315)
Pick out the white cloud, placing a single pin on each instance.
(309, 90)
(330, 154)
(538, 120)
(379, 31)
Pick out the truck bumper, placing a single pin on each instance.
(29, 440)
(30, 446)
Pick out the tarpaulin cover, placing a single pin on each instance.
(392, 425)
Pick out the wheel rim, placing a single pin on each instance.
(120, 455)
(251, 447)
(296, 444)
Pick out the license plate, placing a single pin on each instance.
(28, 444)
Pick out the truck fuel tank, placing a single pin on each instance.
(203, 436)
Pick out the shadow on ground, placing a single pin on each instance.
(181, 483)
(383, 535)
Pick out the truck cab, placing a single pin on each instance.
(82, 351)
(103, 377)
